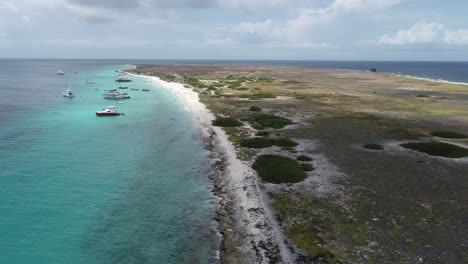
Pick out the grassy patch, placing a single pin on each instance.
(255, 109)
(278, 169)
(226, 122)
(352, 234)
(306, 239)
(269, 120)
(448, 134)
(304, 158)
(307, 167)
(265, 79)
(373, 146)
(435, 148)
(261, 142)
(195, 82)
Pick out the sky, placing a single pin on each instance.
(423, 30)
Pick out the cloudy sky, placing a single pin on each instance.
(235, 29)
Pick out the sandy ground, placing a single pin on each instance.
(358, 206)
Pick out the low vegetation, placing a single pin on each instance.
(255, 109)
(422, 95)
(307, 167)
(269, 120)
(372, 146)
(265, 79)
(279, 169)
(304, 158)
(262, 133)
(257, 96)
(227, 122)
(448, 134)
(195, 82)
(320, 228)
(435, 148)
(261, 142)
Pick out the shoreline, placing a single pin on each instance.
(246, 223)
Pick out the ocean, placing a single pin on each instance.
(76, 188)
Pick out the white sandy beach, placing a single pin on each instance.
(254, 224)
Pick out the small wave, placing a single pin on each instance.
(429, 79)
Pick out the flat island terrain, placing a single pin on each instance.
(346, 166)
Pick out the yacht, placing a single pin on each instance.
(59, 72)
(68, 93)
(90, 82)
(109, 111)
(145, 90)
(114, 95)
(123, 79)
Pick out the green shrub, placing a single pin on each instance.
(448, 134)
(262, 142)
(257, 126)
(304, 158)
(373, 146)
(285, 142)
(226, 122)
(262, 133)
(269, 120)
(278, 169)
(255, 109)
(265, 79)
(307, 167)
(435, 148)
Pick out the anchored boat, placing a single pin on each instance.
(109, 111)
(123, 79)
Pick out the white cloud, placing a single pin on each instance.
(427, 33)
(300, 29)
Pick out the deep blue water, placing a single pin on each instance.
(76, 188)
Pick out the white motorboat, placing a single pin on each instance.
(68, 93)
(59, 72)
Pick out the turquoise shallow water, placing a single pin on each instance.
(76, 188)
